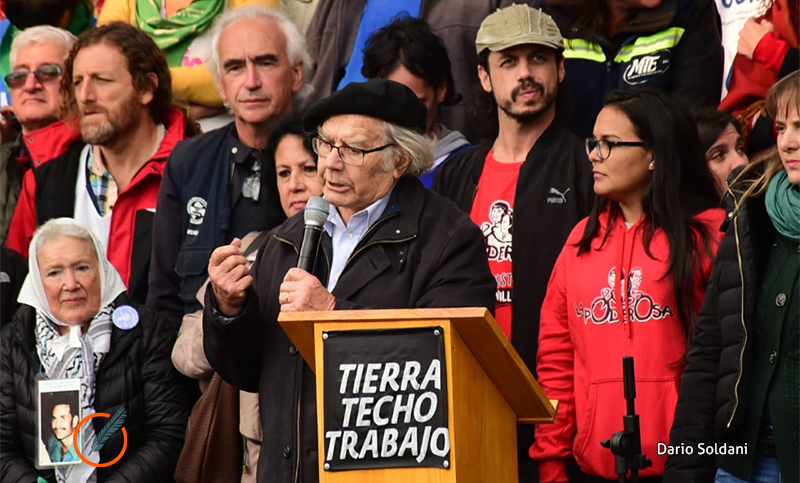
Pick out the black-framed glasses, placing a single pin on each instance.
(44, 73)
(603, 146)
(349, 155)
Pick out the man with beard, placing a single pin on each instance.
(109, 182)
(220, 185)
(534, 166)
(74, 16)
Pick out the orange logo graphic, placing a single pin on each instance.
(78, 451)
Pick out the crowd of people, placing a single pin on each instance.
(609, 178)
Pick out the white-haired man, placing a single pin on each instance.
(37, 62)
(388, 243)
(217, 186)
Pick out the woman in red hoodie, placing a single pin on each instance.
(629, 281)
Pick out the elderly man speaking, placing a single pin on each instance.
(388, 243)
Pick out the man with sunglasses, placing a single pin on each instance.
(31, 131)
(388, 243)
(74, 16)
(527, 187)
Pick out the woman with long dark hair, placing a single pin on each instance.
(627, 283)
(741, 388)
(721, 139)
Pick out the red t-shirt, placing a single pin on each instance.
(493, 211)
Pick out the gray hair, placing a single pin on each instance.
(58, 227)
(418, 146)
(296, 49)
(41, 34)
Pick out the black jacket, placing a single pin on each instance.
(137, 373)
(542, 218)
(422, 252)
(720, 355)
(13, 270)
(195, 216)
(675, 47)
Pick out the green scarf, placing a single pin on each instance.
(82, 20)
(783, 206)
(5, 54)
(174, 34)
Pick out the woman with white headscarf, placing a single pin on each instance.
(76, 322)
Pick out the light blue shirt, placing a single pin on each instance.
(345, 238)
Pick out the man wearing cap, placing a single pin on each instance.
(388, 243)
(528, 186)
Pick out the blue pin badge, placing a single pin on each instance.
(125, 317)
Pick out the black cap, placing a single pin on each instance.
(379, 98)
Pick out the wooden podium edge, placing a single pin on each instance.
(486, 341)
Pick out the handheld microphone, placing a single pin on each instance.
(315, 214)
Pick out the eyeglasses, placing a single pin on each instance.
(603, 146)
(349, 155)
(45, 73)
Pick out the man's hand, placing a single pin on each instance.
(7, 129)
(302, 292)
(751, 34)
(227, 269)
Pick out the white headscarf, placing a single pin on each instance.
(74, 355)
(32, 291)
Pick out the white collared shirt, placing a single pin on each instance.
(345, 238)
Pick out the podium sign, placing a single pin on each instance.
(385, 399)
(470, 389)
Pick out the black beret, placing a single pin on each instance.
(380, 98)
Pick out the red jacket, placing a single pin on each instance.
(752, 78)
(583, 337)
(140, 195)
(50, 142)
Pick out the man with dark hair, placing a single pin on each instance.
(221, 185)
(63, 419)
(109, 182)
(75, 16)
(407, 51)
(535, 167)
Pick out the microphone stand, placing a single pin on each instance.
(627, 444)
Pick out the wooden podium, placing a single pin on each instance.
(489, 390)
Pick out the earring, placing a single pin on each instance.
(652, 165)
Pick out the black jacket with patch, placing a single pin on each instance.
(195, 216)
